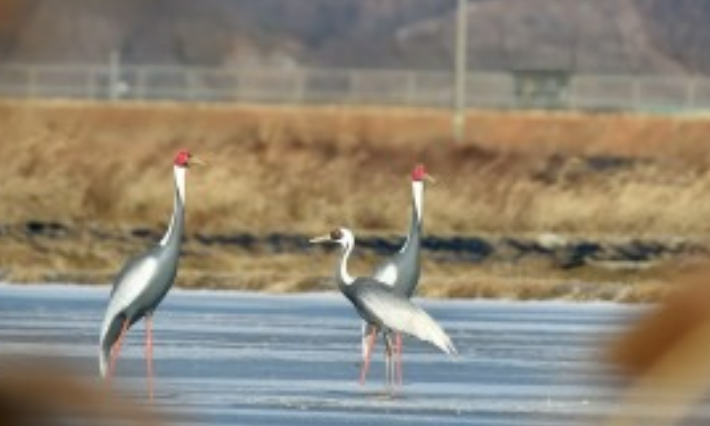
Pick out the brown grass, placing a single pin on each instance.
(308, 169)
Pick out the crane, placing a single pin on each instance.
(144, 281)
(383, 309)
(402, 271)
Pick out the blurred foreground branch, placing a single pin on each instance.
(666, 356)
(44, 393)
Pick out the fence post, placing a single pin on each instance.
(91, 83)
(31, 81)
(190, 81)
(635, 94)
(460, 72)
(141, 78)
(411, 88)
(299, 86)
(572, 94)
(353, 84)
(114, 75)
(237, 94)
(690, 93)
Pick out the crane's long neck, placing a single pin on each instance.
(341, 274)
(415, 225)
(173, 235)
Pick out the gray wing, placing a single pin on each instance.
(386, 272)
(130, 283)
(399, 314)
(130, 265)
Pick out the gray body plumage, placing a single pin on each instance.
(402, 270)
(144, 280)
(380, 306)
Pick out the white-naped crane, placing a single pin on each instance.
(380, 306)
(144, 281)
(401, 272)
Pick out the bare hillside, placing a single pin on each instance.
(630, 36)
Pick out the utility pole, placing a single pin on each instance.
(114, 75)
(459, 118)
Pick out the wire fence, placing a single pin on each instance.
(514, 90)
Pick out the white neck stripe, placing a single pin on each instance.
(343, 269)
(179, 175)
(417, 197)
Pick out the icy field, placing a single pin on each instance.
(246, 359)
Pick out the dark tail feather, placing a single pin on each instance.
(110, 331)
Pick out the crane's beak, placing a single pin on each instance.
(321, 239)
(429, 178)
(196, 161)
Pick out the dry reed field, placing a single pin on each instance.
(303, 170)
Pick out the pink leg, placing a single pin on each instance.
(115, 350)
(389, 363)
(398, 352)
(368, 353)
(149, 353)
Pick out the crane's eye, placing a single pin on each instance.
(336, 235)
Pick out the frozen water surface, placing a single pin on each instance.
(229, 358)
